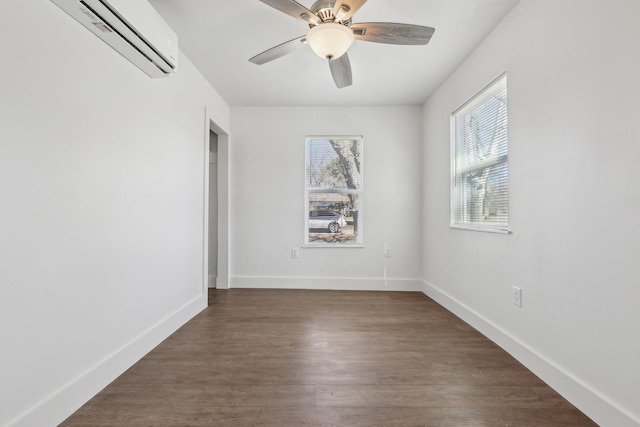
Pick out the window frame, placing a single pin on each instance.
(476, 100)
(359, 241)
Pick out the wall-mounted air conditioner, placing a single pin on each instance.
(133, 28)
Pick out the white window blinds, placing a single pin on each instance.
(480, 184)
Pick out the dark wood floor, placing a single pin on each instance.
(327, 358)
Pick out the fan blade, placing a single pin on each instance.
(392, 33)
(295, 9)
(344, 9)
(279, 51)
(341, 71)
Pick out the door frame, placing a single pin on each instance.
(222, 279)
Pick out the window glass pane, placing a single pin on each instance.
(332, 218)
(333, 163)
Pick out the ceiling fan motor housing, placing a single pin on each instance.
(324, 10)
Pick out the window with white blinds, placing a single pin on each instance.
(333, 191)
(480, 171)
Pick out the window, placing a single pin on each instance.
(480, 173)
(333, 191)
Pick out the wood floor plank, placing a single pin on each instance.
(437, 396)
(420, 417)
(327, 358)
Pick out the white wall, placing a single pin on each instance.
(267, 207)
(102, 192)
(574, 84)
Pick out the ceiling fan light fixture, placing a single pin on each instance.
(330, 40)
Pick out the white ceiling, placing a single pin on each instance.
(220, 36)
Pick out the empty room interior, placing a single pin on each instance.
(362, 202)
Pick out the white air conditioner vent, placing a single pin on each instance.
(133, 28)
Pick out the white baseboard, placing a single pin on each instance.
(594, 404)
(327, 283)
(221, 283)
(212, 281)
(56, 407)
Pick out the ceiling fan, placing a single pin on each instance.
(332, 32)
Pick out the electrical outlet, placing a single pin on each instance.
(387, 251)
(517, 296)
(294, 253)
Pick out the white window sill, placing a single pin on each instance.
(328, 245)
(487, 229)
